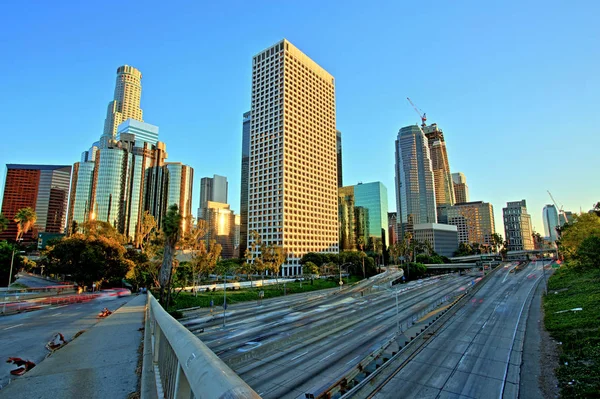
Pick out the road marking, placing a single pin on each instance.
(8, 328)
(300, 355)
(352, 361)
(328, 356)
(58, 307)
(56, 314)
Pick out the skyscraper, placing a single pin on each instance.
(212, 189)
(180, 183)
(338, 150)
(550, 217)
(461, 190)
(45, 189)
(415, 193)
(373, 197)
(220, 223)
(244, 180)
(126, 102)
(293, 174)
(393, 227)
(444, 190)
(347, 219)
(474, 222)
(517, 226)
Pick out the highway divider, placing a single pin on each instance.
(184, 366)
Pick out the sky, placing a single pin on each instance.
(514, 85)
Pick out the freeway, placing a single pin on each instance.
(25, 335)
(294, 346)
(477, 353)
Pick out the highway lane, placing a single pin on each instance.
(477, 354)
(291, 348)
(25, 335)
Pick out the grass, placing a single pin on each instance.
(579, 370)
(188, 300)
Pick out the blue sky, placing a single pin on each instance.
(514, 84)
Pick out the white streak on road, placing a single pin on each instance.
(300, 355)
(352, 361)
(8, 328)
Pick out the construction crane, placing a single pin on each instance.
(560, 210)
(422, 114)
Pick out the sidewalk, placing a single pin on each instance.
(100, 363)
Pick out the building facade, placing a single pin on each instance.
(45, 189)
(474, 222)
(244, 183)
(393, 227)
(292, 188)
(517, 226)
(442, 179)
(373, 197)
(550, 217)
(415, 191)
(346, 217)
(212, 189)
(126, 102)
(443, 237)
(461, 190)
(180, 180)
(338, 150)
(220, 222)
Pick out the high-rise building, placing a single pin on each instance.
(517, 226)
(393, 227)
(126, 102)
(442, 179)
(45, 189)
(212, 189)
(442, 237)
(461, 190)
(338, 150)
(373, 197)
(220, 222)
(550, 217)
(347, 218)
(244, 180)
(293, 168)
(474, 222)
(415, 193)
(82, 181)
(180, 183)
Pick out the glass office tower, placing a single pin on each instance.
(373, 197)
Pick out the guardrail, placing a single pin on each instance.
(184, 367)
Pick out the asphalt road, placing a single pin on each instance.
(293, 346)
(478, 353)
(25, 335)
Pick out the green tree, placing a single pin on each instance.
(194, 242)
(99, 228)
(6, 253)
(171, 230)
(497, 241)
(3, 223)
(588, 253)
(145, 229)
(25, 219)
(310, 270)
(464, 249)
(277, 257)
(247, 266)
(584, 226)
(88, 259)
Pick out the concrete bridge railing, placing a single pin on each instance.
(183, 366)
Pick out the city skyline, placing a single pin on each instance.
(490, 161)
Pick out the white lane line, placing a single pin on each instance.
(300, 355)
(58, 307)
(327, 357)
(56, 314)
(8, 328)
(352, 361)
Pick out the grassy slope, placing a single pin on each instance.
(579, 332)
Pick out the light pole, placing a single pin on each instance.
(224, 296)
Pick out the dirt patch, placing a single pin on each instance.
(549, 361)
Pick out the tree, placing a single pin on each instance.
(311, 270)
(193, 241)
(6, 253)
(25, 219)
(247, 266)
(588, 253)
(496, 241)
(206, 258)
(99, 228)
(171, 230)
(3, 223)
(361, 244)
(146, 227)
(584, 226)
(277, 257)
(88, 259)
(464, 249)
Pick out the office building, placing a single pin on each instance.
(415, 192)
(393, 227)
(45, 189)
(244, 183)
(550, 218)
(212, 189)
(373, 197)
(443, 237)
(517, 226)
(293, 165)
(179, 188)
(126, 102)
(461, 190)
(236, 238)
(347, 219)
(338, 150)
(220, 222)
(474, 222)
(442, 179)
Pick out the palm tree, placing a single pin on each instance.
(25, 219)
(172, 233)
(3, 223)
(361, 243)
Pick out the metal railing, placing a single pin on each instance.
(184, 367)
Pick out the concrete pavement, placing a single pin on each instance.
(101, 363)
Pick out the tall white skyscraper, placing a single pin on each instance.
(550, 217)
(212, 189)
(292, 190)
(415, 193)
